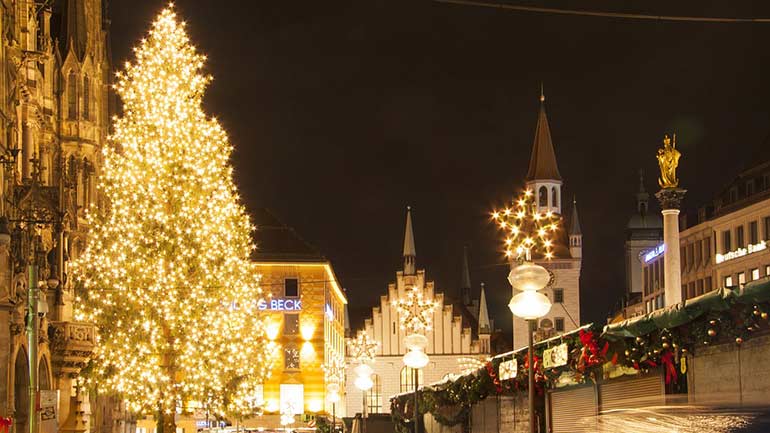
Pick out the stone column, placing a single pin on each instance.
(670, 200)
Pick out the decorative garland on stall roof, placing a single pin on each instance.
(450, 403)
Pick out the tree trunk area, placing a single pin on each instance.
(166, 422)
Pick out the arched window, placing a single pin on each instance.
(542, 197)
(554, 197)
(44, 379)
(21, 391)
(86, 98)
(72, 96)
(374, 397)
(407, 379)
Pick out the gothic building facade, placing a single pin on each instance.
(460, 330)
(55, 108)
(545, 181)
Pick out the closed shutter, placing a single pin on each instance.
(573, 410)
(632, 393)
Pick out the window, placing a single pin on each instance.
(741, 278)
(646, 280)
(729, 281)
(559, 324)
(698, 252)
(290, 357)
(558, 295)
(700, 288)
(706, 251)
(691, 290)
(293, 398)
(683, 257)
(767, 270)
(749, 187)
(726, 242)
(86, 98)
(754, 274)
(72, 96)
(542, 197)
(554, 197)
(691, 255)
(291, 324)
(739, 237)
(407, 379)
(290, 288)
(753, 233)
(767, 228)
(374, 397)
(709, 286)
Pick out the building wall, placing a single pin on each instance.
(319, 338)
(730, 373)
(567, 277)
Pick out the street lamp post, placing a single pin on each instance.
(363, 350)
(528, 229)
(416, 359)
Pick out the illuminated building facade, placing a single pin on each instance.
(55, 73)
(460, 329)
(545, 182)
(306, 306)
(727, 247)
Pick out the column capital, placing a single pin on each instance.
(670, 198)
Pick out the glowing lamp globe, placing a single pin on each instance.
(363, 370)
(529, 277)
(530, 305)
(333, 397)
(416, 342)
(416, 359)
(364, 383)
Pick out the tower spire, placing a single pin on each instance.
(642, 197)
(575, 233)
(409, 251)
(542, 164)
(484, 324)
(465, 284)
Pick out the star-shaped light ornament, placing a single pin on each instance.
(528, 231)
(363, 348)
(415, 311)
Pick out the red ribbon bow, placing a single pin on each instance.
(5, 424)
(667, 360)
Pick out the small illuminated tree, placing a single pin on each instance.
(166, 274)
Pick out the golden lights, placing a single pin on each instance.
(415, 311)
(527, 230)
(166, 274)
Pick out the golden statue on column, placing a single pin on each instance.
(668, 159)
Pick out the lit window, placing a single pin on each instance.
(767, 270)
(755, 274)
(542, 197)
(742, 278)
(558, 295)
(729, 281)
(407, 379)
(374, 397)
(292, 398)
(290, 287)
(291, 324)
(290, 357)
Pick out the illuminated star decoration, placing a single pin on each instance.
(363, 349)
(415, 311)
(527, 230)
(334, 370)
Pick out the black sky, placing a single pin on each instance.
(343, 113)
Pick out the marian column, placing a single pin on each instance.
(670, 197)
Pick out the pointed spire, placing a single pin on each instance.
(642, 197)
(409, 251)
(574, 221)
(484, 324)
(542, 164)
(465, 284)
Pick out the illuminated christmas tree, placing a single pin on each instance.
(166, 274)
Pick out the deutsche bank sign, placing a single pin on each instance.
(280, 305)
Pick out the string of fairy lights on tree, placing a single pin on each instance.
(172, 241)
(528, 231)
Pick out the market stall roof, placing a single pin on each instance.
(689, 310)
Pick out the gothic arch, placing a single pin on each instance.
(542, 197)
(72, 95)
(21, 391)
(554, 196)
(44, 379)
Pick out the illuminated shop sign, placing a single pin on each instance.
(740, 252)
(280, 304)
(655, 252)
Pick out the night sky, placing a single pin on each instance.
(344, 113)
